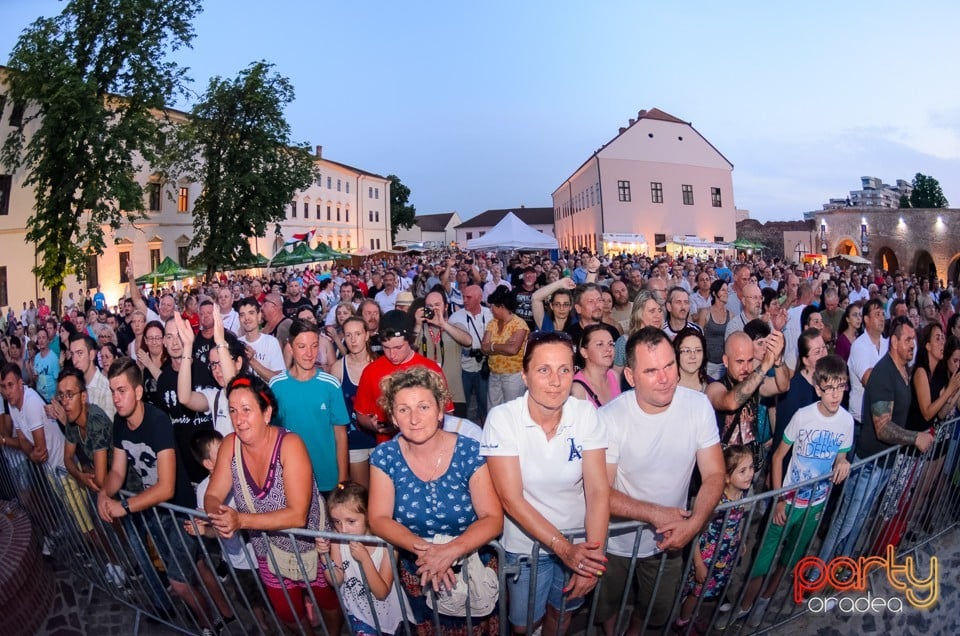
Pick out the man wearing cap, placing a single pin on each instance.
(396, 337)
(523, 293)
(404, 300)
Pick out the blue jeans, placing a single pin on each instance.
(859, 494)
(475, 385)
(552, 577)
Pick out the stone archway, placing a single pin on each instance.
(953, 271)
(887, 259)
(923, 265)
(847, 246)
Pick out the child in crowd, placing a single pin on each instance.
(348, 510)
(820, 435)
(205, 446)
(719, 544)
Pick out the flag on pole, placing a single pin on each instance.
(301, 237)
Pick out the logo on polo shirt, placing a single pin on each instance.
(323, 406)
(574, 450)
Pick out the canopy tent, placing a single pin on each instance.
(251, 261)
(283, 258)
(327, 253)
(167, 270)
(513, 234)
(852, 258)
(744, 244)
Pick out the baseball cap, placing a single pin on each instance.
(396, 323)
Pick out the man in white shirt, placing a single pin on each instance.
(34, 434)
(791, 332)
(262, 350)
(865, 352)
(656, 434)
(473, 319)
(387, 297)
(231, 320)
(857, 292)
(83, 351)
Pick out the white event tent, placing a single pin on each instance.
(513, 234)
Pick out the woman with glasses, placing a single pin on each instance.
(546, 453)
(691, 349)
(503, 344)
(851, 325)
(553, 305)
(150, 359)
(596, 382)
(428, 482)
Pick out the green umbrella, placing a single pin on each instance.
(329, 253)
(250, 261)
(306, 255)
(286, 259)
(167, 270)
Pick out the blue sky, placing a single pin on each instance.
(490, 105)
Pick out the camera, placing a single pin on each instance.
(477, 355)
(428, 313)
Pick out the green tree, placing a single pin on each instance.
(91, 82)
(927, 193)
(402, 215)
(904, 201)
(237, 144)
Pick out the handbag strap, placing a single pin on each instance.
(244, 487)
(590, 392)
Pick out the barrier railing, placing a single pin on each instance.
(895, 500)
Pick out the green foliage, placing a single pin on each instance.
(402, 215)
(927, 193)
(237, 144)
(92, 81)
(904, 201)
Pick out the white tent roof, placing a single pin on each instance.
(512, 233)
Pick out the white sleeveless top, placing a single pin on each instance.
(356, 600)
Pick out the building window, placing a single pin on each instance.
(328, 213)
(183, 199)
(469, 235)
(153, 194)
(329, 182)
(687, 194)
(659, 241)
(3, 286)
(154, 259)
(376, 193)
(370, 192)
(715, 199)
(347, 213)
(306, 210)
(318, 211)
(6, 183)
(656, 192)
(348, 243)
(371, 243)
(319, 180)
(347, 184)
(93, 272)
(623, 191)
(16, 115)
(376, 216)
(371, 216)
(124, 264)
(293, 209)
(718, 239)
(338, 215)
(183, 255)
(338, 185)
(378, 243)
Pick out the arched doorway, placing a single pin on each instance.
(953, 271)
(847, 246)
(923, 265)
(887, 260)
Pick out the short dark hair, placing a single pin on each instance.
(673, 290)
(201, 442)
(808, 311)
(72, 372)
(90, 343)
(299, 326)
(897, 325)
(128, 367)
(248, 301)
(252, 382)
(11, 367)
(757, 328)
(503, 297)
(870, 305)
(647, 336)
(831, 367)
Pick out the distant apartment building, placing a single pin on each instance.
(348, 207)
(656, 180)
(433, 230)
(473, 228)
(874, 193)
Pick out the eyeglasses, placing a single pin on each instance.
(686, 351)
(66, 396)
(154, 338)
(561, 305)
(834, 388)
(548, 336)
(214, 365)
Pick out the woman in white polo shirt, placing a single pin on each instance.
(546, 454)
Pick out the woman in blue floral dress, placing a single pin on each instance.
(429, 482)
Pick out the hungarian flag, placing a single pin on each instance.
(300, 238)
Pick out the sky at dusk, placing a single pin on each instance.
(492, 105)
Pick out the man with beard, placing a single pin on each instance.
(295, 300)
(622, 307)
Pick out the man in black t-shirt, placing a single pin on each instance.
(295, 300)
(523, 294)
(886, 405)
(204, 342)
(143, 439)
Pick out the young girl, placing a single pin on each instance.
(719, 544)
(348, 511)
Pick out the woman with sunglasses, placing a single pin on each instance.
(546, 454)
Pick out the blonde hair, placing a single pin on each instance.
(636, 312)
(414, 377)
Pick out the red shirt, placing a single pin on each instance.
(368, 391)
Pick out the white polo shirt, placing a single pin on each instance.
(863, 356)
(655, 455)
(30, 417)
(552, 472)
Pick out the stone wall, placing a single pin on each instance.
(771, 234)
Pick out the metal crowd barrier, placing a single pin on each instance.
(915, 499)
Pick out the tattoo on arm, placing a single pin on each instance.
(748, 387)
(887, 431)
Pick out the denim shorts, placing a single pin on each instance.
(552, 576)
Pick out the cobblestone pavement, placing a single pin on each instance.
(72, 615)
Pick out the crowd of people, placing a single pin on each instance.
(444, 400)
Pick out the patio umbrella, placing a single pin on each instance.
(167, 270)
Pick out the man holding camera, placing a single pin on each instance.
(473, 319)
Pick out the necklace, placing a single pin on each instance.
(552, 430)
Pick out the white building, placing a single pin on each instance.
(538, 218)
(656, 179)
(348, 207)
(432, 229)
(874, 193)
